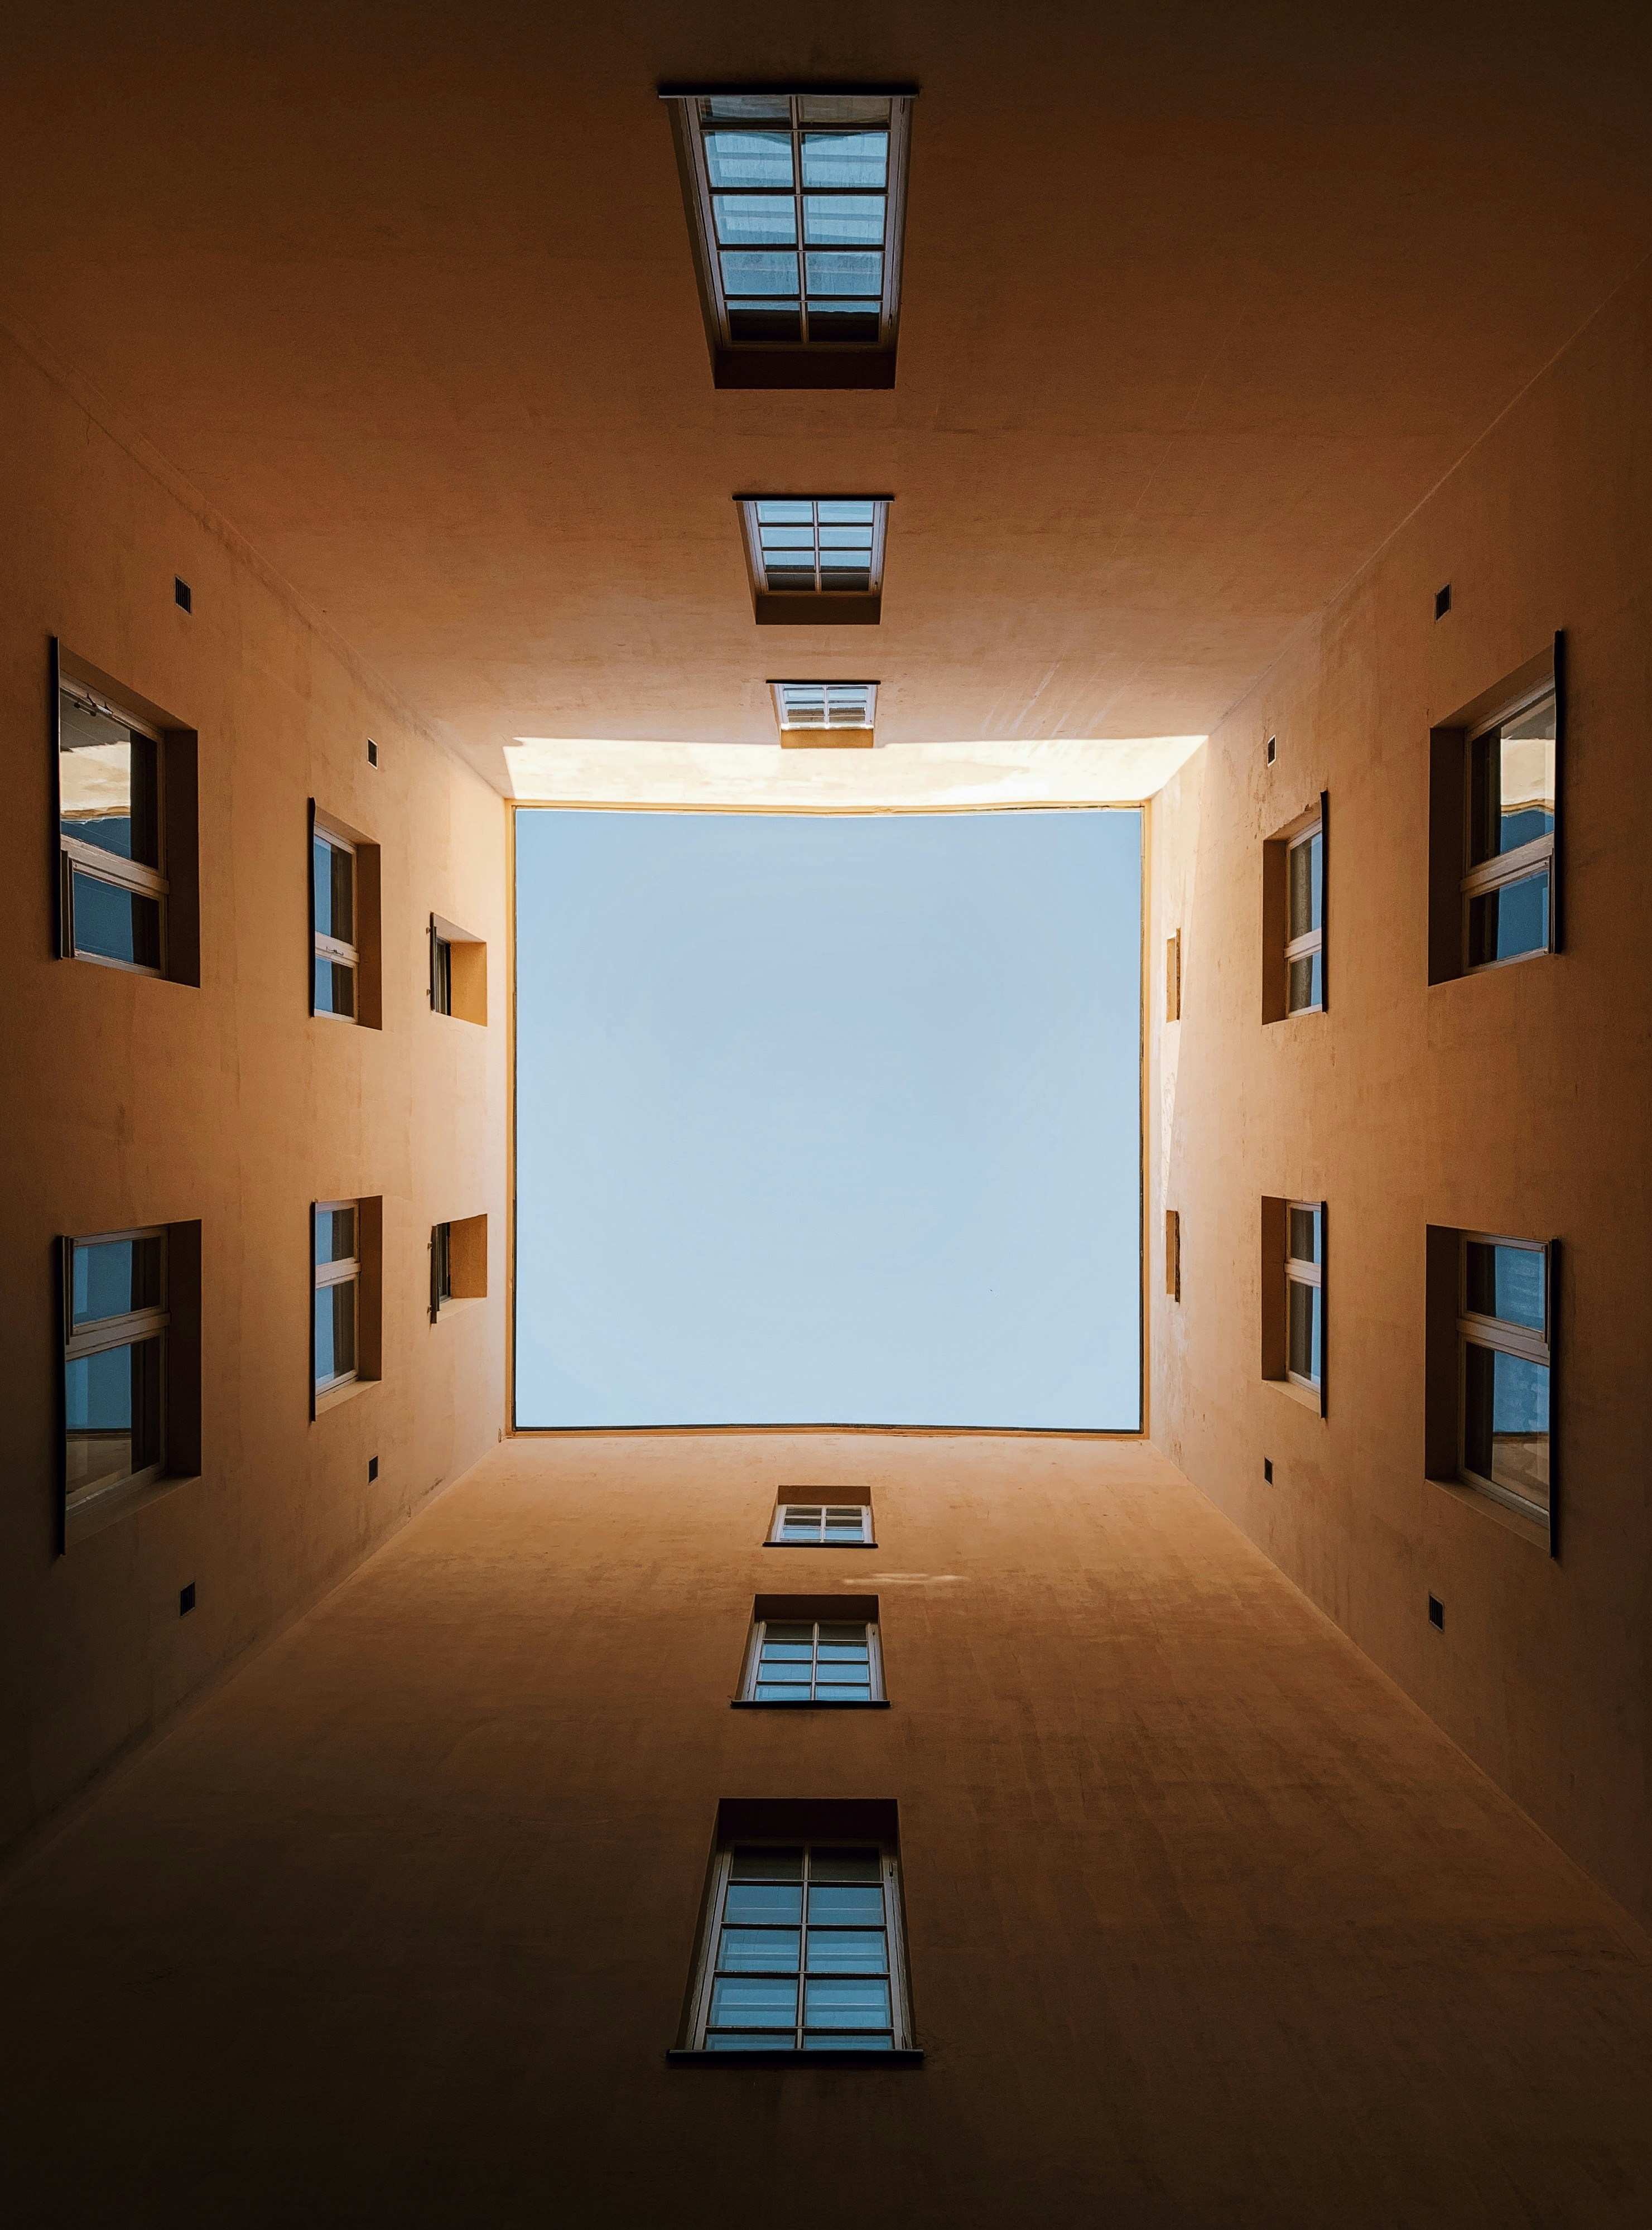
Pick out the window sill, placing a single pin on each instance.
(782, 1704)
(676, 2057)
(1295, 1393)
(119, 1503)
(1531, 1529)
(455, 1305)
(336, 1395)
(833, 1545)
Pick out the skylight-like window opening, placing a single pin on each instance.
(816, 559)
(813, 706)
(797, 201)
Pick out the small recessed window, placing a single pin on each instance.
(337, 1324)
(1173, 977)
(333, 868)
(1503, 1370)
(1304, 922)
(815, 561)
(111, 833)
(823, 1525)
(1173, 1253)
(796, 204)
(458, 973)
(458, 1262)
(803, 1950)
(829, 713)
(114, 1366)
(1304, 1295)
(1510, 774)
(801, 1652)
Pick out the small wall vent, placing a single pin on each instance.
(1436, 1613)
(1443, 601)
(372, 752)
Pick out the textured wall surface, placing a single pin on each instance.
(1513, 1102)
(1208, 1923)
(124, 1100)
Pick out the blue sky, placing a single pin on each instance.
(829, 1120)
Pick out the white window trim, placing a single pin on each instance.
(777, 1534)
(706, 1973)
(103, 1333)
(336, 1273)
(1313, 940)
(1476, 1330)
(816, 1701)
(108, 867)
(753, 532)
(705, 244)
(333, 948)
(1299, 1273)
(1507, 868)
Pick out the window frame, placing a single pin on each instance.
(820, 597)
(777, 1538)
(1300, 1271)
(901, 2037)
(441, 1266)
(827, 732)
(336, 1273)
(1498, 1335)
(1478, 879)
(690, 130)
(105, 1333)
(130, 875)
(1311, 941)
(333, 949)
(750, 1665)
(441, 971)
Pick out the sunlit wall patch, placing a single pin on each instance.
(815, 560)
(797, 204)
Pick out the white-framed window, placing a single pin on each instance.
(804, 708)
(1504, 1311)
(336, 1325)
(1304, 1294)
(797, 205)
(821, 1525)
(816, 546)
(336, 960)
(1509, 774)
(111, 827)
(1304, 920)
(813, 1660)
(803, 1951)
(115, 1364)
(441, 1268)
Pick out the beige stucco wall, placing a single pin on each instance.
(1514, 1101)
(126, 1100)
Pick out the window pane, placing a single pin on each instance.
(845, 158)
(115, 924)
(759, 1950)
(838, 271)
(826, 2040)
(1306, 984)
(1526, 778)
(846, 511)
(848, 1951)
(845, 538)
(752, 2002)
(108, 777)
(335, 1330)
(1505, 1422)
(776, 2040)
(335, 988)
(1507, 922)
(113, 1411)
(741, 106)
(843, 220)
(841, 2003)
(842, 1526)
(773, 275)
(786, 538)
(756, 220)
(776, 1692)
(749, 158)
(335, 1235)
(1505, 1282)
(843, 108)
(831, 1865)
(1303, 1244)
(332, 873)
(115, 1278)
(1304, 1351)
(1308, 885)
(777, 511)
(846, 1905)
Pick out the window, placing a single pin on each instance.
(111, 833)
(1304, 1295)
(458, 1262)
(332, 869)
(1510, 773)
(814, 712)
(808, 1651)
(1173, 1253)
(114, 1365)
(821, 1525)
(1496, 823)
(816, 560)
(803, 1951)
(1305, 924)
(458, 973)
(796, 205)
(1293, 915)
(1173, 977)
(336, 1323)
(1503, 1370)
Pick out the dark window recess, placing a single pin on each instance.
(181, 594)
(372, 752)
(186, 1599)
(1436, 1613)
(1273, 749)
(1443, 601)
(1268, 1469)
(372, 1468)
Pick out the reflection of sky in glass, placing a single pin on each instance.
(829, 1118)
(1519, 1395)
